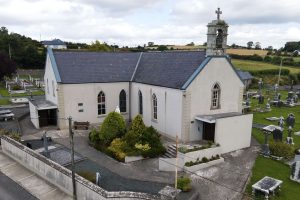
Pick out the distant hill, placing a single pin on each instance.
(247, 52)
(26, 52)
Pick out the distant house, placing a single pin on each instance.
(54, 44)
(296, 52)
(246, 78)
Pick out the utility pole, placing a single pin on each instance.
(176, 160)
(72, 158)
(9, 52)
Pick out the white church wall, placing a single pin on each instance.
(169, 102)
(87, 94)
(233, 133)
(50, 83)
(218, 70)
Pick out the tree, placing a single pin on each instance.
(7, 66)
(257, 45)
(98, 46)
(191, 44)
(112, 127)
(136, 131)
(250, 44)
(162, 48)
(291, 46)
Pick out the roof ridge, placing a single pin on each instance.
(136, 66)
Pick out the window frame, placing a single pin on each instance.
(215, 96)
(101, 101)
(154, 107)
(123, 101)
(140, 98)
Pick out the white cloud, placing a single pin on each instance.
(135, 22)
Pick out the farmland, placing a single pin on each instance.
(247, 52)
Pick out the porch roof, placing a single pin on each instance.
(212, 118)
(43, 104)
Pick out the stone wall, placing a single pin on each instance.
(61, 176)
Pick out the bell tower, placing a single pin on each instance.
(217, 32)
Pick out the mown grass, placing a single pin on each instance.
(4, 93)
(249, 65)
(267, 167)
(4, 101)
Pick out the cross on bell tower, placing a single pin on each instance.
(218, 12)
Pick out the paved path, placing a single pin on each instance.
(229, 179)
(35, 185)
(144, 170)
(10, 190)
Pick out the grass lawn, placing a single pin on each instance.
(4, 101)
(290, 190)
(5, 93)
(267, 167)
(249, 65)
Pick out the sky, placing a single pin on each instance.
(137, 22)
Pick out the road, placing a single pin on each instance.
(10, 190)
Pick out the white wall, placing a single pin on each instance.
(50, 76)
(34, 115)
(233, 133)
(87, 94)
(169, 108)
(218, 70)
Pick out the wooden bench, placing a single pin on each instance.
(81, 125)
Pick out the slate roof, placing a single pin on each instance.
(244, 75)
(168, 69)
(95, 67)
(53, 42)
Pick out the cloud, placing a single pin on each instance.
(135, 22)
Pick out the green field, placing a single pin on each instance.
(249, 65)
(268, 167)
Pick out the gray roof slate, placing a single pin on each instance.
(53, 42)
(166, 69)
(244, 75)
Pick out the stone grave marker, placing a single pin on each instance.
(277, 135)
(295, 173)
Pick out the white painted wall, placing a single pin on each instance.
(34, 115)
(48, 78)
(88, 94)
(169, 102)
(233, 133)
(218, 70)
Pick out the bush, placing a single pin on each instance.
(268, 59)
(184, 184)
(16, 87)
(204, 160)
(270, 72)
(88, 176)
(13, 135)
(94, 135)
(112, 127)
(152, 137)
(117, 148)
(137, 129)
(281, 149)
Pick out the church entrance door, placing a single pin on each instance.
(209, 131)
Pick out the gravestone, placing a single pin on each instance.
(290, 120)
(289, 138)
(295, 98)
(277, 135)
(295, 173)
(281, 121)
(297, 155)
(261, 99)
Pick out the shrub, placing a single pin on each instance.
(137, 129)
(152, 137)
(204, 160)
(112, 127)
(94, 135)
(16, 87)
(13, 135)
(268, 59)
(184, 184)
(281, 149)
(88, 176)
(117, 148)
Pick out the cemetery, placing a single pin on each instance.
(276, 127)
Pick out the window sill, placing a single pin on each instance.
(101, 116)
(154, 120)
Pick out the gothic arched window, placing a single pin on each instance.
(215, 98)
(122, 101)
(101, 103)
(140, 103)
(154, 106)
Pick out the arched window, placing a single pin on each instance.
(101, 103)
(53, 88)
(154, 106)
(215, 99)
(140, 103)
(122, 101)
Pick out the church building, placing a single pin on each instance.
(195, 95)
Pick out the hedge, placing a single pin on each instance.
(284, 72)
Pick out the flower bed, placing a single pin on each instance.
(203, 160)
(199, 166)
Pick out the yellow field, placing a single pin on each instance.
(247, 52)
(181, 47)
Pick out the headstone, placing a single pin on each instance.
(290, 120)
(289, 138)
(260, 99)
(295, 174)
(268, 107)
(265, 146)
(281, 121)
(297, 155)
(277, 135)
(295, 98)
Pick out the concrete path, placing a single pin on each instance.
(35, 185)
